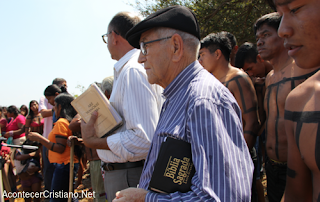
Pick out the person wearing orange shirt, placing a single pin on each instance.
(59, 151)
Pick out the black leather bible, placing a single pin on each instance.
(174, 168)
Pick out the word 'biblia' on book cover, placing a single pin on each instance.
(94, 100)
(174, 168)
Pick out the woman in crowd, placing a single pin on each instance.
(59, 151)
(50, 93)
(15, 127)
(4, 112)
(24, 110)
(3, 121)
(34, 122)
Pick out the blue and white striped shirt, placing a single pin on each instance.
(203, 112)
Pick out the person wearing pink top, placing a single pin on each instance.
(34, 121)
(3, 121)
(15, 127)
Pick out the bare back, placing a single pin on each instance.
(278, 86)
(303, 127)
(240, 85)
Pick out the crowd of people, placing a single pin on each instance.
(244, 110)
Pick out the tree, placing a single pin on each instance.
(81, 88)
(234, 16)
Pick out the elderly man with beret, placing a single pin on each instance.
(198, 110)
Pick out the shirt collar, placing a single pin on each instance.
(182, 79)
(125, 59)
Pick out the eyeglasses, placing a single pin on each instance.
(105, 36)
(143, 44)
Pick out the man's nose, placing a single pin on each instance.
(142, 58)
(285, 29)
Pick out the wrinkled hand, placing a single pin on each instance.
(34, 136)
(130, 195)
(70, 139)
(87, 129)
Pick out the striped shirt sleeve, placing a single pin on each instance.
(215, 135)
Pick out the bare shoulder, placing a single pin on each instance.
(268, 78)
(240, 83)
(303, 97)
(237, 73)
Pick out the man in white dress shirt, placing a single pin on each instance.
(137, 102)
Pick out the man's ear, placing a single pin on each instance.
(218, 54)
(259, 59)
(114, 38)
(177, 47)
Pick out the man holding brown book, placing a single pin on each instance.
(198, 110)
(136, 101)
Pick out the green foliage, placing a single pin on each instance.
(234, 16)
(81, 89)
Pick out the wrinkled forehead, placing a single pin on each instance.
(147, 35)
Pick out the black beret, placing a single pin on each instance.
(176, 17)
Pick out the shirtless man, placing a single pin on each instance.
(284, 77)
(248, 59)
(214, 57)
(234, 46)
(300, 26)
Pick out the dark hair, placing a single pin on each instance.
(31, 114)
(24, 107)
(216, 41)
(13, 109)
(231, 38)
(53, 89)
(68, 112)
(271, 19)
(2, 109)
(247, 52)
(58, 81)
(64, 101)
(122, 22)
